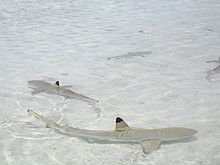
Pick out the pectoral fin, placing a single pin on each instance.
(150, 145)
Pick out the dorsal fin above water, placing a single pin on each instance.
(121, 125)
(57, 83)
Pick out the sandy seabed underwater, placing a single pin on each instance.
(73, 42)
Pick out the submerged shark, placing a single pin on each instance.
(214, 71)
(39, 86)
(150, 139)
(130, 55)
(216, 61)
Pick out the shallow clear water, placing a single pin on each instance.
(71, 41)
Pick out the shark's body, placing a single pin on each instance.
(130, 55)
(150, 139)
(216, 61)
(39, 86)
(214, 71)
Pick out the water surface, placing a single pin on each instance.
(70, 41)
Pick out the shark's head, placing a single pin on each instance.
(57, 83)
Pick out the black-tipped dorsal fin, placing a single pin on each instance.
(121, 125)
(57, 83)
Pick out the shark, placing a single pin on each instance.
(214, 71)
(149, 139)
(216, 61)
(130, 55)
(40, 86)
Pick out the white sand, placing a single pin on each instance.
(70, 40)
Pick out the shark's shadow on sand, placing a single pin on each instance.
(213, 71)
(149, 139)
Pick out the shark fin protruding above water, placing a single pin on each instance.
(150, 145)
(57, 83)
(121, 125)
